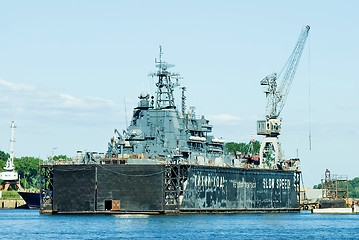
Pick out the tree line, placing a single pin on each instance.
(28, 168)
(252, 147)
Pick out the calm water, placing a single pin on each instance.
(29, 224)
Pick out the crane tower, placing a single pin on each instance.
(276, 94)
(10, 176)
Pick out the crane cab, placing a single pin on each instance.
(269, 127)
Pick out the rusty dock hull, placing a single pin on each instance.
(165, 189)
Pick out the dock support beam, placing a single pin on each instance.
(46, 189)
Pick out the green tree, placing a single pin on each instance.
(234, 148)
(353, 188)
(3, 158)
(243, 148)
(60, 157)
(256, 147)
(28, 169)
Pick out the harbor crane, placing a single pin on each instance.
(10, 176)
(277, 90)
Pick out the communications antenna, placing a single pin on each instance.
(183, 101)
(124, 103)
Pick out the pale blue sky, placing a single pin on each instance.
(66, 68)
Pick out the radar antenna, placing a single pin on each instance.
(165, 86)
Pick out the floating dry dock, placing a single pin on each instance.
(170, 188)
(167, 161)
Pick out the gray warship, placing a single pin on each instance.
(168, 162)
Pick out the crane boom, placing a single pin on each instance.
(277, 96)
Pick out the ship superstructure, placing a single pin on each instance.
(160, 133)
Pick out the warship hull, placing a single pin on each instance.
(32, 199)
(165, 189)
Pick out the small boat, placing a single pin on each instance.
(32, 199)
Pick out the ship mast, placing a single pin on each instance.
(165, 86)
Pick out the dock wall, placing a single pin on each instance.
(12, 203)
